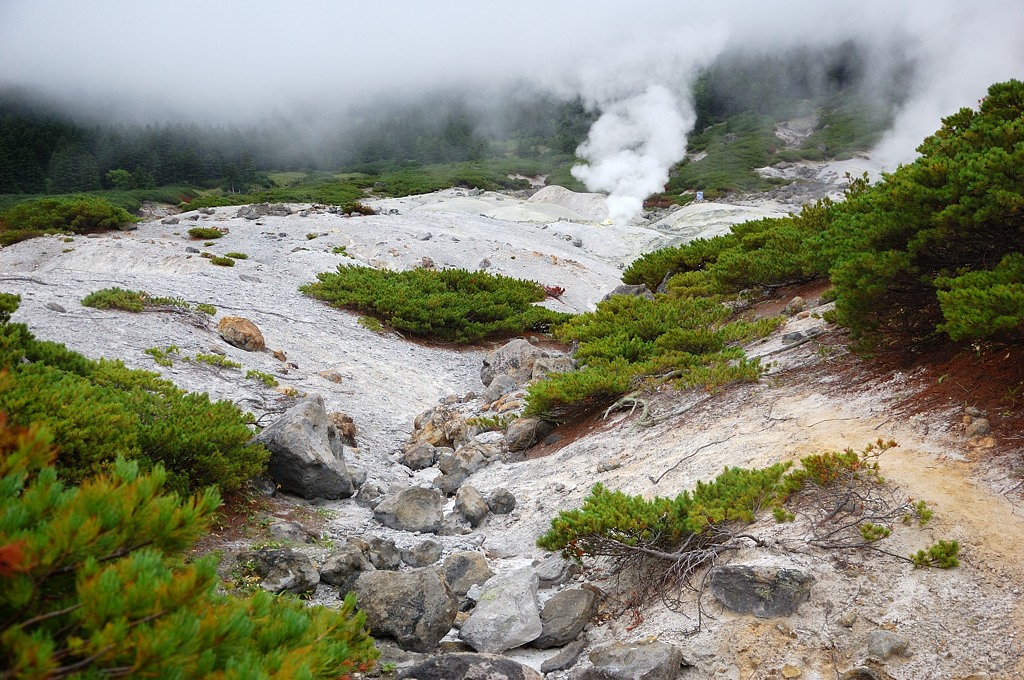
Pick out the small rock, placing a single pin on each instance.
(638, 290)
(795, 306)
(501, 502)
(283, 570)
(621, 661)
(883, 643)
(469, 666)
(522, 433)
(423, 554)
(566, 658)
(464, 569)
(471, 505)
(860, 673)
(414, 509)
(848, 619)
(53, 306)
(790, 672)
(288, 531)
(564, 616)
(762, 591)
(241, 333)
(790, 338)
(979, 427)
(419, 457)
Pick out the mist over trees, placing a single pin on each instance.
(48, 149)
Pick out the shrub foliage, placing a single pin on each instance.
(931, 252)
(99, 410)
(450, 304)
(93, 585)
(80, 215)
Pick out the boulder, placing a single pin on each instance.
(306, 457)
(417, 608)
(499, 387)
(634, 661)
(507, 614)
(765, 592)
(383, 553)
(555, 364)
(283, 570)
(566, 658)
(423, 554)
(465, 569)
(883, 643)
(514, 359)
(456, 467)
(343, 566)
(501, 502)
(413, 509)
(469, 667)
(471, 504)
(638, 290)
(522, 433)
(241, 333)
(564, 617)
(440, 426)
(419, 456)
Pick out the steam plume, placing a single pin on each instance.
(631, 148)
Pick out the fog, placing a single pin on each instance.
(308, 61)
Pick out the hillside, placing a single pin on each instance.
(815, 397)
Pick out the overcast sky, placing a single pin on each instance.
(239, 60)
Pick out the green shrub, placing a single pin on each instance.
(207, 309)
(265, 378)
(80, 215)
(95, 585)
(237, 256)
(204, 233)
(450, 304)
(371, 323)
(222, 261)
(130, 301)
(99, 410)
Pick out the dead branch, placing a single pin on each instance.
(687, 457)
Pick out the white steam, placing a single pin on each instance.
(631, 147)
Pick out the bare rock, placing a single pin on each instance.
(467, 666)
(564, 617)
(795, 306)
(632, 661)
(241, 333)
(343, 566)
(499, 387)
(283, 570)
(638, 290)
(344, 426)
(306, 457)
(417, 608)
(441, 426)
(883, 644)
(414, 509)
(507, 614)
(419, 456)
(465, 569)
(761, 591)
(566, 658)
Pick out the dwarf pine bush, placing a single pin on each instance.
(449, 304)
(94, 585)
(99, 410)
(79, 215)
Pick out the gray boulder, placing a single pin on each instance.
(469, 667)
(413, 509)
(566, 658)
(765, 592)
(554, 570)
(419, 456)
(883, 643)
(621, 661)
(564, 617)
(456, 467)
(283, 570)
(514, 359)
(554, 364)
(383, 553)
(507, 614)
(465, 569)
(499, 387)
(501, 502)
(306, 457)
(471, 505)
(343, 566)
(522, 433)
(417, 608)
(423, 554)
(638, 290)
